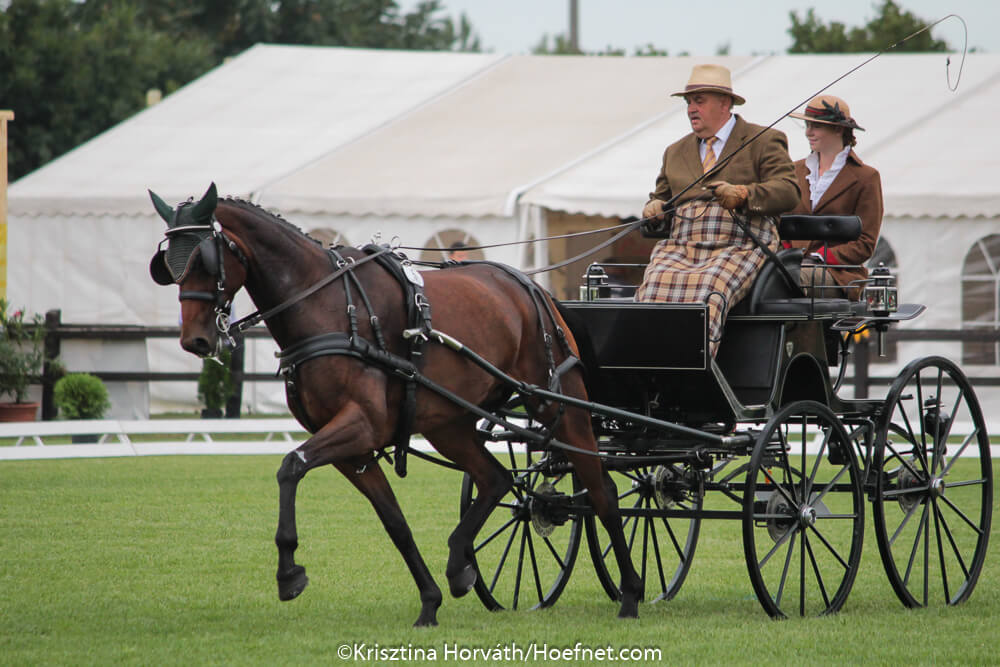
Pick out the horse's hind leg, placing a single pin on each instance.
(574, 430)
(492, 482)
(375, 486)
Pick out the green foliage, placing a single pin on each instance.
(81, 396)
(71, 70)
(22, 351)
(811, 35)
(215, 384)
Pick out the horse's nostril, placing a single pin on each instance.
(199, 346)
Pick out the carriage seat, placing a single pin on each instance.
(830, 228)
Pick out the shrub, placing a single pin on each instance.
(215, 384)
(81, 396)
(22, 351)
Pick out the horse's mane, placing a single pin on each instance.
(270, 215)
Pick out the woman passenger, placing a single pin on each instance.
(834, 181)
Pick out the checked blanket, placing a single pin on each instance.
(707, 259)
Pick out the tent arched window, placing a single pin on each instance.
(448, 239)
(981, 298)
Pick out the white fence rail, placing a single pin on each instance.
(194, 436)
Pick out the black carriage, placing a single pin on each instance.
(760, 435)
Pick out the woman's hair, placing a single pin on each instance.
(847, 134)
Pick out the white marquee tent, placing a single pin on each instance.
(412, 143)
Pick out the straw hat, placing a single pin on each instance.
(830, 110)
(710, 79)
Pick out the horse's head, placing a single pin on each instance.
(195, 258)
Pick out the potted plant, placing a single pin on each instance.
(215, 384)
(81, 396)
(22, 355)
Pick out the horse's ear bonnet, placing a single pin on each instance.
(189, 235)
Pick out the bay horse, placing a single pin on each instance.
(315, 303)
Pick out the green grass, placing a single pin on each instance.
(170, 560)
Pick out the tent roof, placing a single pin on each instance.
(249, 121)
(472, 150)
(411, 133)
(932, 146)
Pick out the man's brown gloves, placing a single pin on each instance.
(652, 207)
(730, 196)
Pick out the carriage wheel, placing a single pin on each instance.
(803, 513)
(662, 546)
(934, 494)
(526, 549)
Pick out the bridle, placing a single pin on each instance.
(211, 249)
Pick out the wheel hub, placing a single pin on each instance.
(907, 479)
(937, 487)
(548, 509)
(807, 516)
(778, 526)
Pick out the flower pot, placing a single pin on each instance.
(18, 412)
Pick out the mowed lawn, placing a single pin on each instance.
(170, 560)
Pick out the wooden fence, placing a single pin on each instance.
(863, 355)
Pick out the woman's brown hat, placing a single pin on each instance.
(710, 79)
(830, 110)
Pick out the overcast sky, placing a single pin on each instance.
(748, 26)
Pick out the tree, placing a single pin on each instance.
(68, 79)
(811, 35)
(71, 69)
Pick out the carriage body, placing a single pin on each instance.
(762, 428)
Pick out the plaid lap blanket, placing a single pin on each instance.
(707, 259)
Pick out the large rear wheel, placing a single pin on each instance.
(803, 513)
(934, 484)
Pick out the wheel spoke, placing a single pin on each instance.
(961, 449)
(784, 570)
(916, 544)
(830, 547)
(902, 524)
(503, 557)
(940, 548)
(819, 459)
(520, 566)
(656, 551)
(961, 515)
(534, 565)
(495, 533)
(951, 541)
(555, 554)
(815, 567)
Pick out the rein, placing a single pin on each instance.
(343, 267)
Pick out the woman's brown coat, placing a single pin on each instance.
(857, 190)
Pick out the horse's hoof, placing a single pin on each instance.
(291, 585)
(462, 583)
(425, 622)
(629, 610)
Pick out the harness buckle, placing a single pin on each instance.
(417, 333)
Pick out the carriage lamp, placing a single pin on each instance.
(595, 284)
(880, 293)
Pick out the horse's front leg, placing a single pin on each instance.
(348, 435)
(347, 442)
(372, 483)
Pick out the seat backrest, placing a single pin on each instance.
(830, 228)
(771, 284)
